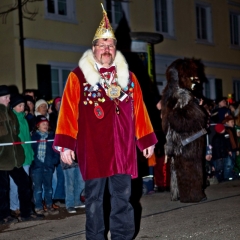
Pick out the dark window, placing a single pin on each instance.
(234, 29)
(161, 15)
(44, 81)
(62, 7)
(50, 6)
(236, 90)
(114, 11)
(201, 22)
(218, 88)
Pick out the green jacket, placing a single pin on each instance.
(24, 136)
(13, 155)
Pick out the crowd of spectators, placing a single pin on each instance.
(51, 182)
(222, 159)
(224, 139)
(37, 182)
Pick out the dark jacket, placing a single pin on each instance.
(13, 155)
(233, 138)
(51, 157)
(31, 121)
(221, 146)
(53, 116)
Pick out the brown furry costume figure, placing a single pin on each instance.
(182, 117)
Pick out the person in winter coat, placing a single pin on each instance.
(221, 152)
(53, 116)
(229, 122)
(17, 105)
(102, 119)
(11, 160)
(43, 166)
(58, 176)
(30, 116)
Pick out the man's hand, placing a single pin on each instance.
(148, 152)
(165, 159)
(67, 156)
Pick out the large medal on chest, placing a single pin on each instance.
(113, 91)
(99, 113)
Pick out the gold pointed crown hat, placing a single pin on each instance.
(105, 29)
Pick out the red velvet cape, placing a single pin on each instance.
(106, 146)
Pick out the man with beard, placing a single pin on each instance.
(102, 118)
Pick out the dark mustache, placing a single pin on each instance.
(106, 54)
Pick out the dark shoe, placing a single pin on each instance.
(52, 211)
(41, 212)
(55, 206)
(44, 206)
(9, 221)
(167, 189)
(203, 199)
(15, 213)
(71, 210)
(32, 217)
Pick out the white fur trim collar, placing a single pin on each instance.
(86, 64)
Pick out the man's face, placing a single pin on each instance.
(5, 100)
(104, 52)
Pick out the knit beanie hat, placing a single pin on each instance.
(219, 128)
(16, 99)
(40, 119)
(56, 100)
(40, 102)
(4, 90)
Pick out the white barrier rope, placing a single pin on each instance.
(27, 142)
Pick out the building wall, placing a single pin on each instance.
(7, 53)
(48, 41)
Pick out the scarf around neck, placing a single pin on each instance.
(42, 146)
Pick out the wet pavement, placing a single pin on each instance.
(218, 218)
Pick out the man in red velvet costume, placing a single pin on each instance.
(102, 118)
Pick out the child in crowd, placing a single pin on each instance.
(43, 166)
(221, 152)
(229, 121)
(74, 185)
(17, 104)
(209, 167)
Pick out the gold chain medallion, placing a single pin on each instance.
(113, 91)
